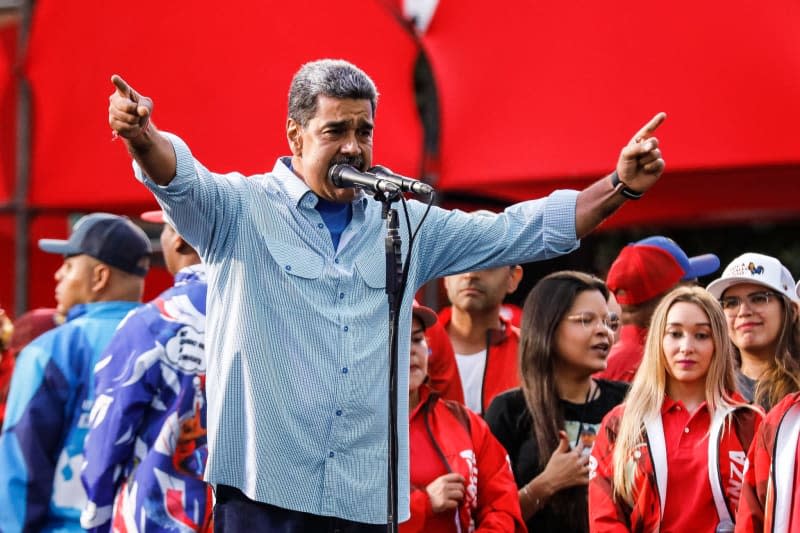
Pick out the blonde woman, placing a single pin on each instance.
(672, 457)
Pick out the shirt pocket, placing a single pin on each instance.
(296, 261)
(373, 271)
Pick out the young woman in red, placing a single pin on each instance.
(672, 457)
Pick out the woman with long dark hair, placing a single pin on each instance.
(548, 425)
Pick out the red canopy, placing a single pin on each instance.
(219, 78)
(533, 96)
(8, 109)
(540, 95)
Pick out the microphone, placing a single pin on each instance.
(405, 184)
(347, 176)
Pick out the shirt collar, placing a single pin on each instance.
(196, 272)
(79, 310)
(426, 395)
(670, 404)
(298, 191)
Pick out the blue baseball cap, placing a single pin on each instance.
(694, 267)
(112, 239)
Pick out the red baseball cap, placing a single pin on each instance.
(641, 272)
(424, 314)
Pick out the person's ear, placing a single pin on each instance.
(294, 134)
(101, 277)
(181, 246)
(514, 277)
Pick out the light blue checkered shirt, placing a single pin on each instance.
(297, 334)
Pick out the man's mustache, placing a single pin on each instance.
(356, 162)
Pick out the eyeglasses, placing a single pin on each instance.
(591, 320)
(755, 301)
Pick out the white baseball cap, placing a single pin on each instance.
(755, 268)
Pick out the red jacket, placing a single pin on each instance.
(769, 485)
(502, 359)
(609, 515)
(445, 437)
(442, 366)
(626, 355)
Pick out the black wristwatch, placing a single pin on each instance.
(623, 189)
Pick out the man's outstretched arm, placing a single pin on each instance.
(129, 117)
(639, 166)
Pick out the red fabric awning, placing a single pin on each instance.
(540, 95)
(8, 109)
(219, 78)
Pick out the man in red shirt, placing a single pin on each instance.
(485, 343)
(642, 273)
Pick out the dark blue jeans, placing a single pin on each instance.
(235, 512)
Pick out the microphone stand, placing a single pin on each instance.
(394, 288)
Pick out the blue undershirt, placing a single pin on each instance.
(336, 216)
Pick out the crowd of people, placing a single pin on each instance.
(252, 394)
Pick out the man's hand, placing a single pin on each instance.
(128, 111)
(446, 492)
(640, 163)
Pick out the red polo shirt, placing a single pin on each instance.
(689, 505)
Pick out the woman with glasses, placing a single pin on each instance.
(549, 424)
(757, 296)
(673, 456)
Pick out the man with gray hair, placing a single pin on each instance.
(297, 384)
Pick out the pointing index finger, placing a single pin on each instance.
(648, 129)
(122, 87)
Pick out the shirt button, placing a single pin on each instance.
(341, 295)
(686, 430)
(339, 412)
(344, 370)
(331, 454)
(320, 225)
(346, 328)
(288, 267)
(336, 260)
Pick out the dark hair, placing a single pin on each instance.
(545, 307)
(330, 77)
